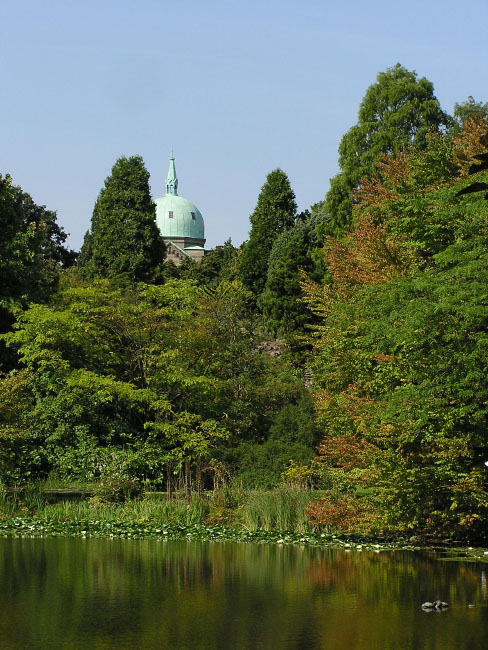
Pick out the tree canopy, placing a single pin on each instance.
(161, 375)
(379, 299)
(32, 252)
(396, 111)
(398, 353)
(470, 109)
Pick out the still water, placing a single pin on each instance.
(75, 594)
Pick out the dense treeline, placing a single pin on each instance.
(399, 357)
(147, 381)
(342, 348)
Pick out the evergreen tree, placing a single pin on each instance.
(124, 239)
(274, 213)
(399, 109)
(292, 252)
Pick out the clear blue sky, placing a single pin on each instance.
(236, 89)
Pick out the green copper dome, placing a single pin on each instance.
(177, 217)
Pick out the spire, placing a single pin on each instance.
(171, 180)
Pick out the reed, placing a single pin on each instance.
(282, 508)
(148, 510)
(174, 512)
(8, 507)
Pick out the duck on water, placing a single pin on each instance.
(437, 605)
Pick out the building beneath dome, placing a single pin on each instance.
(180, 222)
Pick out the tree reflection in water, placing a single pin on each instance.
(73, 593)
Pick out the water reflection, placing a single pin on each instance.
(97, 594)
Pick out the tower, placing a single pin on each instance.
(180, 222)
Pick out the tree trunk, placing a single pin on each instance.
(187, 482)
(169, 482)
(198, 476)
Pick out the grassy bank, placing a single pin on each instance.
(282, 508)
(276, 516)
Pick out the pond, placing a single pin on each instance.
(84, 594)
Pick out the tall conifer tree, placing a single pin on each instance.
(274, 213)
(124, 239)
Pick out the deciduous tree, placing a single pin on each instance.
(32, 253)
(398, 354)
(399, 109)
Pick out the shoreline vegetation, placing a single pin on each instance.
(328, 376)
(276, 516)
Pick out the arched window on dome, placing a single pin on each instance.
(170, 214)
(193, 216)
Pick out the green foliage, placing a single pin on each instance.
(440, 398)
(116, 489)
(283, 508)
(398, 110)
(274, 213)
(86, 254)
(31, 247)
(415, 194)
(338, 201)
(32, 254)
(253, 386)
(217, 266)
(261, 465)
(291, 254)
(469, 109)
(108, 370)
(298, 475)
(399, 356)
(21, 457)
(296, 423)
(187, 270)
(124, 239)
(160, 376)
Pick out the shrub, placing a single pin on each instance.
(346, 514)
(117, 490)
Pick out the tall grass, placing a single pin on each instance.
(175, 512)
(282, 508)
(78, 511)
(25, 500)
(8, 507)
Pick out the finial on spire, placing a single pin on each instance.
(172, 180)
